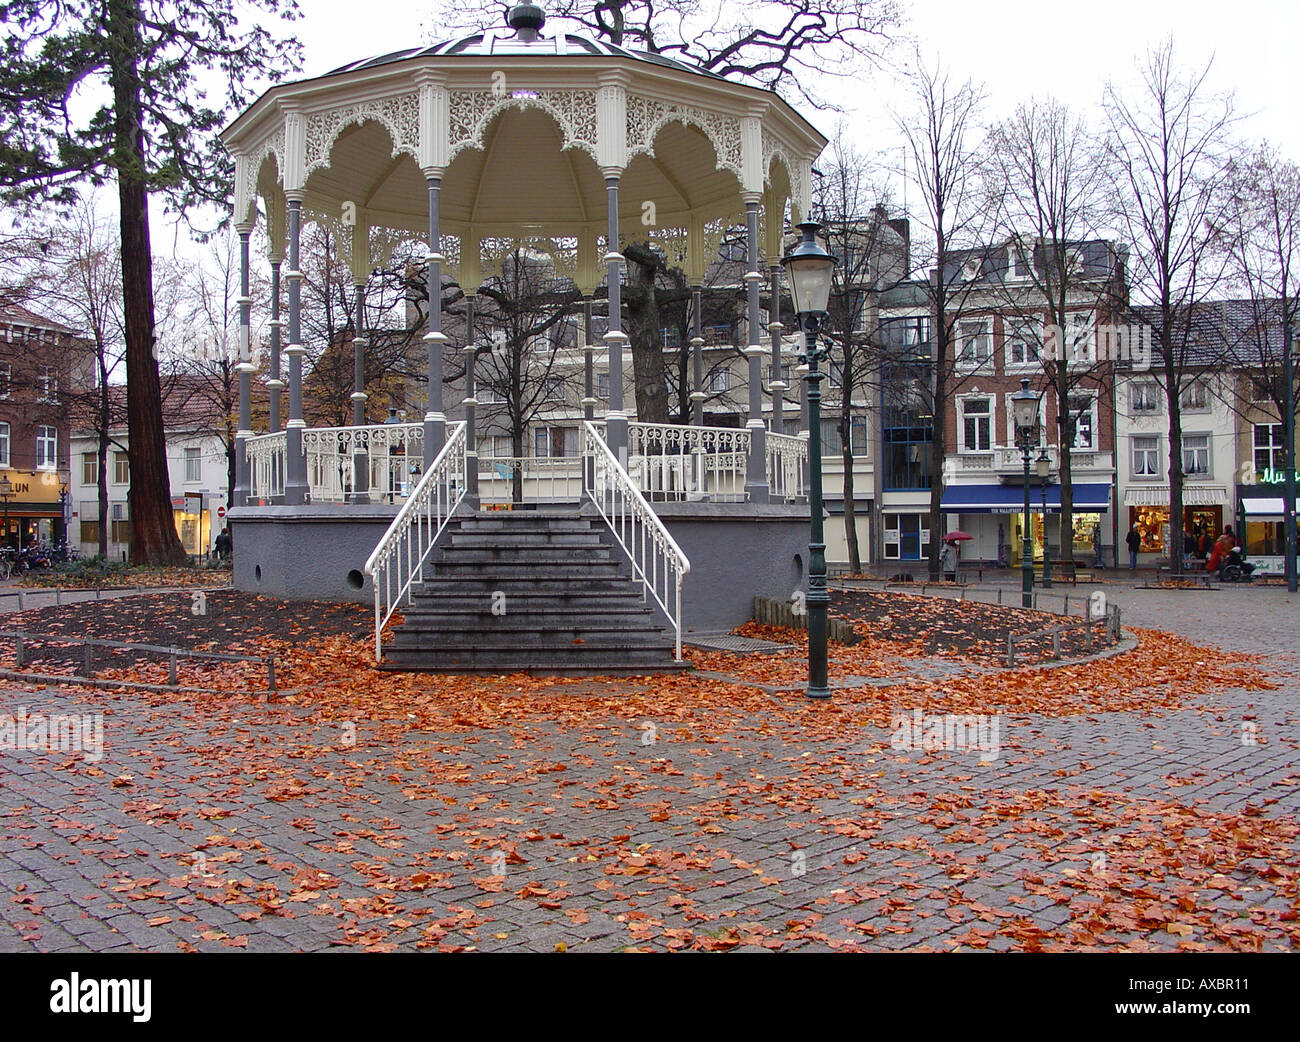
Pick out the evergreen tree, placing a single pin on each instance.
(99, 90)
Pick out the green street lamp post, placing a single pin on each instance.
(808, 268)
(1043, 465)
(1024, 412)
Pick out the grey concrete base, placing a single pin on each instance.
(307, 552)
(737, 551)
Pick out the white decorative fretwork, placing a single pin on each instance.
(647, 116)
(399, 115)
(473, 110)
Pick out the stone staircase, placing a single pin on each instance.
(536, 591)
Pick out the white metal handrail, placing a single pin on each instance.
(331, 457)
(397, 563)
(787, 462)
(266, 456)
(657, 560)
(673, 461)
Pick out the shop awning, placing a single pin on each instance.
(1193, 496)
(1264, 508)
(1089, 498)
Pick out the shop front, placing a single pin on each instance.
(193, 522)
(1205, 510)
(994, 516)
(1261, 517)
(31, 507)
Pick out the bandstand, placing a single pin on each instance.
(567, 146)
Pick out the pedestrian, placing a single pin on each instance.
(1219, 555)
(222, 546)
(1189, 548)
(1134, 541)
(948, 562)
(1097, 562)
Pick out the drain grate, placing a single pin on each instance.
(730, 642)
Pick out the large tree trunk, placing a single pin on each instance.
(153, 528)
(642, 305)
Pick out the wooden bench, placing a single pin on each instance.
(1072, 570)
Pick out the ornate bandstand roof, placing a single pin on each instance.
(522, 130)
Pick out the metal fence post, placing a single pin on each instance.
(171, 667)
(270, 672)
(88, 658)
(19, 658)
(1011, 649)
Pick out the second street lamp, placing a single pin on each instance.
(1024, 413)
(808, 268)
(1044, 466)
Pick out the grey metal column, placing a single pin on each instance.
(471, 401)
(588, 388)
(615, 418)
(756, 488)
(435, 420)
(774, 326)
(697, 358)
(239, 495)
(295, 462)
(360, 450)
(275, 385)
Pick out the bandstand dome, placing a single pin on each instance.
(523, 128)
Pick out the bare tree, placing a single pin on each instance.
(1260, 232)
(1167, 149)
(1047, 188)
(943, 140)
(870, 258)
(529, 311)
(81, 282)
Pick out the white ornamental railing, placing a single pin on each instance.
(672, 462)
(391, 449)
(657, 561)
(540, 479)
(265, 454)
(787, 462)
(397, 563)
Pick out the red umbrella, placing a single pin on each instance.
(957, 537)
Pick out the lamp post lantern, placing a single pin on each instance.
(808, 269)
(1043, 465)
(1024, 411)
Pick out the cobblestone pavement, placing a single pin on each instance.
(215, 824)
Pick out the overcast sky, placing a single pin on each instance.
(1019, 48)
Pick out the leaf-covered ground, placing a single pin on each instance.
(1122, 810)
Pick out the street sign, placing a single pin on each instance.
(221, 511)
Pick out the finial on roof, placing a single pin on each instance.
(526, 20)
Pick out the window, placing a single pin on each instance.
(1022, 339)
(1196, 455)
(1018, 262)
(781, 373)
(494, 446)
(1146, 457)
(554, 389)
(1079, 338)
(555, 441)
(47, 448)
(1195, 397)
(1144, 397)
(488, 395)
(977, 424)
(719, 381)
(4, 444)
(974, 342)
(89, 471)
(121, 469)
(48, 385)
(833, 444)
(1270, 453)
(602, 385)
(6, 379)
(193, 465)
(1083, 418)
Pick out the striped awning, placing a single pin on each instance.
(1193, 496)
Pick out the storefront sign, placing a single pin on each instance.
(33, 486)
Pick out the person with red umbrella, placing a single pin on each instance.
(950, 556)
